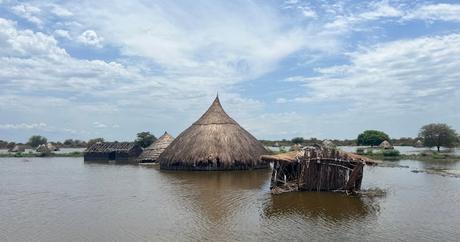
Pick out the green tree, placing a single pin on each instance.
(145, 139)
(372, 137)
(37, 140)
(297, 140)
(92, 141)
(437, 135)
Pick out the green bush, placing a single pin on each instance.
(390, 152)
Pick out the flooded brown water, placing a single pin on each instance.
(64, 199)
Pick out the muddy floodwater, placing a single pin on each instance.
(65, 199)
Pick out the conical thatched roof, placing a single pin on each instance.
(419, 143)
(153, 151)
(43, 149)
(386, 145)
(214, 142)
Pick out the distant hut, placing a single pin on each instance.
(151, 153)
(51, 147)
(18, 148)
(113, 151)
(214, 142)
(386, 145)
(418, 144)
(329, 144)
(43, 150)
(276, 144)
(316, 168)
(295, 147)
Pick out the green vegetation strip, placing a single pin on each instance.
(71, 154)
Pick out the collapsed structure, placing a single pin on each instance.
(214, 142)
(316, 168)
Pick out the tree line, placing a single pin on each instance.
(143, 139)
(431, 135)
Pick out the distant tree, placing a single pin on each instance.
(68, 142)
(91, 141)
(37, 140)
(3, 144)
(10, 145)
(297, 140)
(437, 135)
(145, 139)
(372, 137)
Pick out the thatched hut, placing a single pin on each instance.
(214, 142)
(43, 150)
(386, 145)
(418, 144)
(18, 148)
(316, 168)
(51, 147)
(153, 151)
(113, 151)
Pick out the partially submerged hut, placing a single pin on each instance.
(18, 148)
(113, 151)
(43, 150)
(214, 142)
(316, 168)
(153, 151)
(418, 144)
(51, 147)
(386, 145)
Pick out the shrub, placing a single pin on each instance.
(390, 152)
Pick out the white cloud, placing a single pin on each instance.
(400, 76)
(28, 12)
(434, 12)
(99, 125)
(61, 33)
(60, 11)
(26, 43)
(230, 42)
(89, 37)
(23, 126)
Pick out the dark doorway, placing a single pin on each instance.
(112, 155)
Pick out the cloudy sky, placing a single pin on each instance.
(325, 69)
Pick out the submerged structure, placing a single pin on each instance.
(113, 151)
(18, 148)
(386, 145)
(43, 150)
(214, 142)
(153, 151)
(316, 168)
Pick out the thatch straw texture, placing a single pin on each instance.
(214, 142)
(153, 151)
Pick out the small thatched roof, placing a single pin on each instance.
(52, 147)
(111, 146)
(214, 142)
(153, 151)
(43, 148)
(419, 143)
(293, 156)
(386, 145)
(18, 148)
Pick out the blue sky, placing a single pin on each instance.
(325, 69)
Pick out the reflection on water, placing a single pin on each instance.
(330, 206)
(62, 199)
